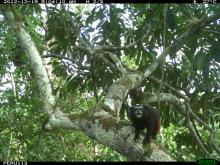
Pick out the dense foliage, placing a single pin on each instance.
(136, 34)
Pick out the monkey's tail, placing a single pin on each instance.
(156, 129)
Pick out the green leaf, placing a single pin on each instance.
(192, 45)
(215, 52)
(170, 19)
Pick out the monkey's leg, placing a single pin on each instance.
(137, 134)
(149, 134)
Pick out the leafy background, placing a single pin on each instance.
(194, 69)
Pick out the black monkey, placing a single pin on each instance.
(142, 117)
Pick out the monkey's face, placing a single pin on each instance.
(138, 113)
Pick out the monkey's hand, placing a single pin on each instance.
(135, 139)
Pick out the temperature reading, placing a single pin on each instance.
(97, 1)
(209, 1)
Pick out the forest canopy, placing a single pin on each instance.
(69, 74)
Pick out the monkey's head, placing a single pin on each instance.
(138, 111)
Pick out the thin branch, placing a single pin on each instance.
(57, 56)
(197, 118)
(93, 79)
(101, 56)
(197, 132)
(191, 129)
(217, 149)
(211, 31)
(188, 10)
(82, 39)
(214, 106)
(9, 81)
(117, 62)
(171, 88)
(164, 46)
(195, 26)
(140, 40)
(165, 97)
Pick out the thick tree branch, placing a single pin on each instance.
(34, 58)
(117, 92)
(166, 97)
(105, 129)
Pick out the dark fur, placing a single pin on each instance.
(142, 117)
